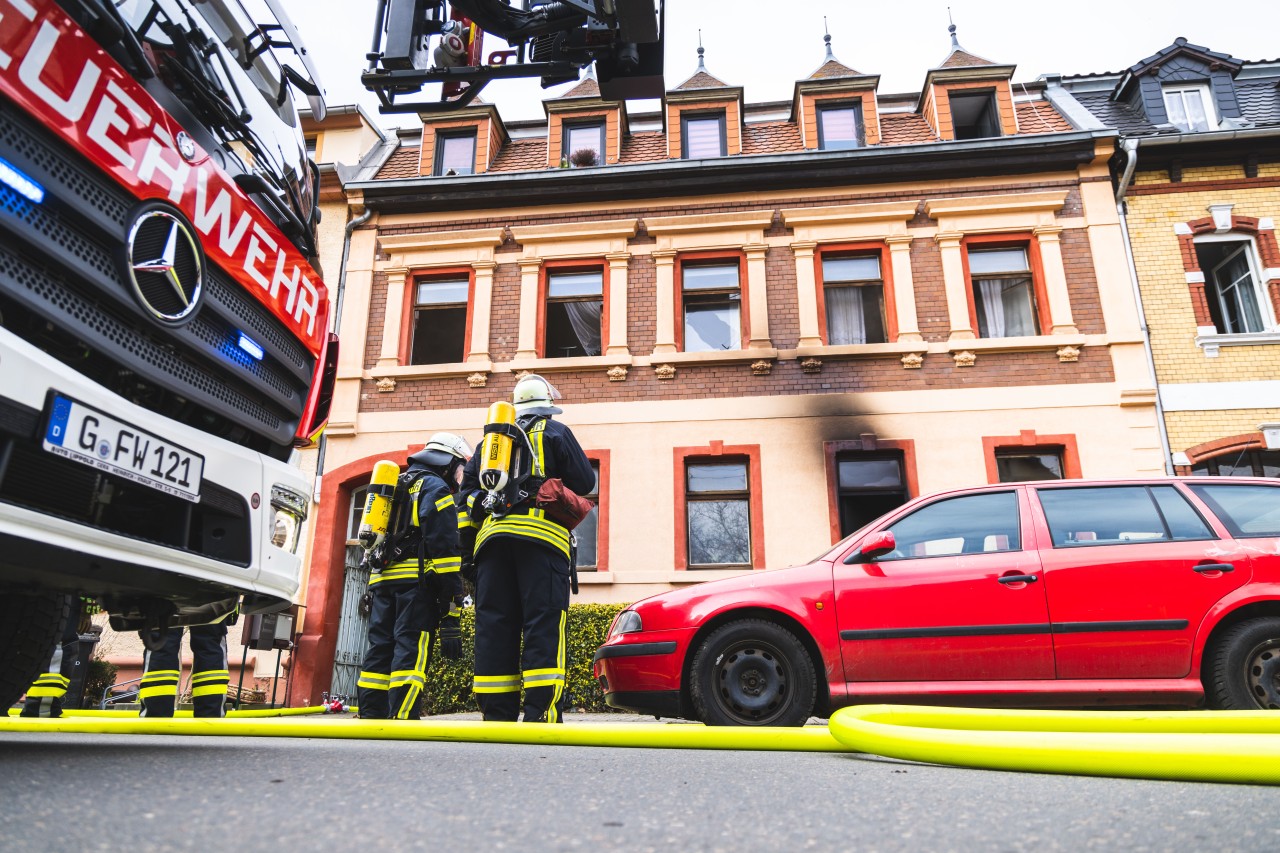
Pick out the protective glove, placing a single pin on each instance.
(451, 637)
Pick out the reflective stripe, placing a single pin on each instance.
(162, 690)
(535, 438)
(53, 679)
(444, 503)
(374, 681)
(544, 679)
(210, 675)
(57, 692)
(496, 684)
(408, 569)
(415, 679)
(553, 710)
(209, 689)
(534, 525)
(160, 673)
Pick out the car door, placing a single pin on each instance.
(960, 598)
(1130, 571)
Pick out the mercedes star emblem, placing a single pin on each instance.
(164, 265)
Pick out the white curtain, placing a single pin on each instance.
(844, 316)
(1007, 307)
(991, 290)
(584, 317)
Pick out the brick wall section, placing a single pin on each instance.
(784, 313)
(642, 310)
(504, 321)
(377, 319)
(1082, 281)
(931, 293)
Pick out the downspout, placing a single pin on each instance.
(1130, 148)
(337, 324)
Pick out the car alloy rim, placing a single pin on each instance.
(1262, 670)
(752, 682)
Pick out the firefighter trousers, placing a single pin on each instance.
(209, 674)
(46, 694)
(402, 620)
(522, 589)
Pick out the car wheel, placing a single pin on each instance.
(1244, 667)
(752, 673)
(30, 625)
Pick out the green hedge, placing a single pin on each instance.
(449, 681)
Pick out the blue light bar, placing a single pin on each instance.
(11, 177)
(251, 346)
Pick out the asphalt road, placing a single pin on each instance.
(141, 793)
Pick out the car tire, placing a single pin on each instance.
(1244, 667)
(752, 673)
(30, 625)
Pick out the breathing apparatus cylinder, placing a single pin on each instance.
(377, 505)
(495, 452)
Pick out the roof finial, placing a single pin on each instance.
(827, 38)
(701, 51)
(955, 42)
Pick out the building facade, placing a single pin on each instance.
(769, 322)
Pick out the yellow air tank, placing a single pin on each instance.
(495, 453)
(377, 505)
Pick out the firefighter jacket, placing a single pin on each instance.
(556, 453)
(429, 538)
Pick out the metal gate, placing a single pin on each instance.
(353, 627)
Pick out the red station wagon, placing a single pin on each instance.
(1047, 594)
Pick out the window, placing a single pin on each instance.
(718, 514)
(972, 524)
(840, 127)
(575, 305)
(455, 153)
(358, 496)
(312, 145)
(868, 485)
(702, 136)
(1247, 463)
(974, 115)
(853, 299)
(1003, 292)
(711, 302)
(1187, 108)
(439, 321)
(1237, 303)
(583, 144)
(1247, 511)
(1020, 464)
(587, 533)
(1115, 515)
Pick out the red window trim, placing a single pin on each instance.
(881, 250)
(1029, 440)
(410, 293)
(867, 444)
(567, 265)
(1022, 240)
(601, 458)
(719, 452)
(744, 308)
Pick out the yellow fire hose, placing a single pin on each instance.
(247, 712)
(1205, 746)
(661, 735)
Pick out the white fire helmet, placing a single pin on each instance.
(443, 446)
(533, 396)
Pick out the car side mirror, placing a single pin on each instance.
(875, 545)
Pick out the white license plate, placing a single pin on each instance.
(86, 435)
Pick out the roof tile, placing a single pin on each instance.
(771, 137)
(402, 164)
(521, 155)
(701, 80)
(833, 68)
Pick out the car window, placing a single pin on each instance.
(1246, 510)
(1116, 515)
(970, 524)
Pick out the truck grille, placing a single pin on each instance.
(61, 290)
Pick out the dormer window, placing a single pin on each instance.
(455, 153)
(583, 144)
(974, 115)
(840, 126)
(702, 135)
(1188, 108)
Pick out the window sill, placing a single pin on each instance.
(560, 365)
(430, 371)
(1211, 342)
(898, 348)
(1027, 343)
(731, 356)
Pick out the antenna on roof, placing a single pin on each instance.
(701, 51)
(826, 38)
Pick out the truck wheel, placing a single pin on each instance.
(30, 625)
(752, 673)
(1244, 667)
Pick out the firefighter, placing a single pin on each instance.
(415, 585)
(47, 692)
(209, 674)
(522, 573)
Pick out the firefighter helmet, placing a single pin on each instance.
(533, 396)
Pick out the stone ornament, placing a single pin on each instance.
(386, 385)
(761, 367)
(913, 361)
(665, 371)
(965, 358)
(811, 365)
(1068, 353)
(478, 380)
(617, 373)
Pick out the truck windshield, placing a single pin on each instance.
(220, 64)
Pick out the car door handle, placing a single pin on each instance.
(1018, 579)
(1214, 567)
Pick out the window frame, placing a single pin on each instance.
(710, 259)
(1256, 464)
(718, 452)
(831, 452)
(1253, 255)
(1030, 441)
(437, 154)
(889, 303)
(602, 462)
(992, 95)
(1039, 291)
(687, 116)
(551, 267)
(860, 125)
(1207, 103)
(409, 310)
(599, 123)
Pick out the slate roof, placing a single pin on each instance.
(1259, 103)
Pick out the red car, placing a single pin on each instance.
(1048, 594)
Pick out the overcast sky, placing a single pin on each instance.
(748, 43)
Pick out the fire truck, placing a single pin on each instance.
(164, 329)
